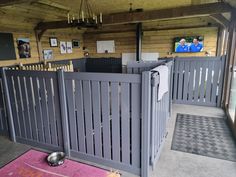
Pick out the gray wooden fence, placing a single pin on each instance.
(35, 108)
(3, 112)
(109, 119)
(104, 113)
(198, 80)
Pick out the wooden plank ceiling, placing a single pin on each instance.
(22, 14)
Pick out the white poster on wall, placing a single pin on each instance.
(106, 46)
(129, 57)
(69, 47)
(63, 47)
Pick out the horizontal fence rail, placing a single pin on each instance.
(198, 80)
(104, 118)
(137, 67)
(35, 108)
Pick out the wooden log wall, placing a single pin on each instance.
(125, 42)
(61, 35)
(153, 41)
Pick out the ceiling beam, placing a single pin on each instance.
(173, 13)
(4, 3)
(150, 29)
(136, 17)
(219, 18)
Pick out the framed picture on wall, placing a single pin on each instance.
(23, 45)
(53, 42)
(47, 54)
(75, 43)
(69, 47)
(63, 47)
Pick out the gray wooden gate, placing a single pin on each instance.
(35, 108)
(104, 116)
(3, 112)
(198, 80)
(138, 67)
(159, 116)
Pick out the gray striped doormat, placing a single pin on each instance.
(207, 136)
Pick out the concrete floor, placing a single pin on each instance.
(171, 163)
(180, 164)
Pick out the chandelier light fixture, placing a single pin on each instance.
(85, 18)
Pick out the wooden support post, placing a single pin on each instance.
(138, 41)
(146, 113)
(64, 116)
(231, 46)
(38, 35)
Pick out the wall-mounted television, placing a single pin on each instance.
(188, 44)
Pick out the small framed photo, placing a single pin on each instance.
(75, 43)
(47, 54)
(69, 47)
(53, 42)
(63, 47)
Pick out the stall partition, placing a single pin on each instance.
(103, 118)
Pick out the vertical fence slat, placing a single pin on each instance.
(106, 119)
(32, 113)
(180, 82)
(8, 106)
(71, 113)
(125, 122)
(203, 82)
(209, 82)
(44, 106)
(215, 81)
(197, 78)
(1, 120)
(51, 113)
(58, 115)
(80, 115)
(88, 117)
(186, 80)
(38, 109)
(2, 109)
(191, 79)
(176, 76)
(222, 63)
(153, 122)
(115, 109)
(97, 117)
(135, 123)
(25, 105)
(13, 103)
(19, 107)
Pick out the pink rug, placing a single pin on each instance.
(33, 164)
